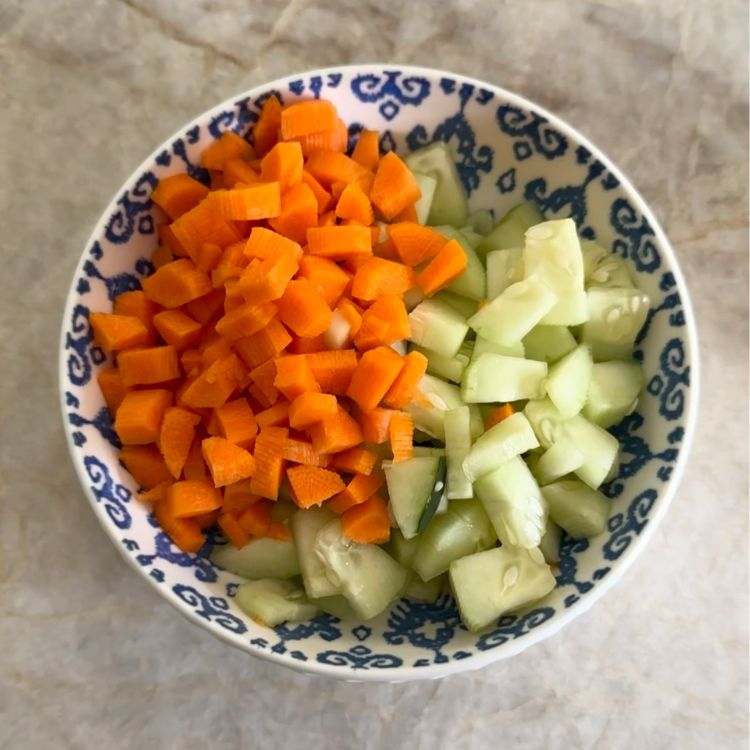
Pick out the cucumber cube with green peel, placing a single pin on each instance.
(616, 316)
(463, 306)
(511, 437)
(472, 283)
(510, 230)
(568, 381)
(259, 558)
(481, 221)
(577, 508)
(402, 549)
(613, 392)
(438, 326)
(488, 584)
(548, 343)
(495, 378)
(424, 591)
(272, 601)
(305, 527)
(514, 503)
(411, 489)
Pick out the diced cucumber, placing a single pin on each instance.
(511, 437)
(413, 297)
(338, 606)
(259, 558)
(463, 529)
(552, 254)
(305, 527)
(513, 313)
(465, 307)
(548, 343)
(438, 326)
(578, 509)
(472, 237)
(449, 368)
(493, 377)
(271, 601)
(510, 230)
(592, 253)
(561, 458)
(599, 448)
(402, 549)
(504, 267)
(457, 446)
(514, 503)
(429, 412)
(472, 283)
(424, 591)
(613, 392)
(602, 268)
(488, 584)
(481, 221)
(545, 420)
(482, 345)
(367, 575)
(550, 544)
(427, 185)
(411, 486)
(615, 318)
(568, 381)
(427, 450)
(283, 510)
(449, 204)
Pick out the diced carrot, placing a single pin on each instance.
(256, 520)
(311, 485)
(115, 332)
(238, 497)
(233, 297)
(161, 256)
(213, 386)
(367, 523)
(359, 489)
(269, 462)
(177, 329)
(191, 498)
(268, 280)
(264, 244)
(138, 304)
(112, 387)
(446, 266)
(228, 146)
(176, 437)
(328, 167)
(191, 362)
(353, 204)
(339, 242)
(408, 214)
(383, 323)
(309, 408)
(226, 461)
(279, 532)
(375, 425)
(275, 416)
(266, 129)
(261, 200)
(401, 435)
(283, 164)
(237, 422)
(373, 332)
(327, 219)
(405, 385)
(322, 196)
(157, 364)
(138, 419)
(156, 494)
(184, 532)
(263, 376)
(376, 371)
(145, 464)
(204, 223)
(216, 179)
(213, 426)
(326, 140)
(294, 376)
(245, 320)
(394, 187)
(303, 118)
(335, 434)
(333, 369)
(195, 466)
(167, 238)
(302, 452)
(231, 264)
(208, 256)
(367, 150)
(303, 309)
(233, 530)
(177, 194)
(299, 212)
(378, 276)
(213, 348)
(308, 344)
(266, 344)
(355, 461)
(237, 171)
(498, 414)
(176, 283)
(415, 243)
(328, 279)
(206, 308)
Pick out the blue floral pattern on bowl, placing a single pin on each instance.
(506, 150)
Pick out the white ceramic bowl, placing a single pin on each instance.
(507, 149)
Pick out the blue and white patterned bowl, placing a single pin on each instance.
(507, 150)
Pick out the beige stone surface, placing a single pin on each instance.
(90, 656)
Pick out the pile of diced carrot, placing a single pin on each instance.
(259, 350)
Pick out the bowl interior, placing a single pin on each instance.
(507, 150)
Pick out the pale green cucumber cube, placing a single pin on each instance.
(339, 607)
(429, 412)
(495, 378)
(481, 221)
(427, 182)
(482, 345)
(472, 283)
(550, 544)
(402, 549)
(546, 421)
(438, 326)
(548, 343)
(488, 584)
(448, 368)
(615, 318)
(600, 450)
(510, 230)
(424, 591)
(593, 253)
(504, 267)
(613, 392)
(305, 527)
(577, 508)
(561, 458)
(603, 268)
(463, 306)
(259, 558)
(410, 488)
(568, 381)
(420, 451)
(272, 601)
(457, 446)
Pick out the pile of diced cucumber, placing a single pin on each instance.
(540, 320)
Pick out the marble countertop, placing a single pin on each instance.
(91, 656)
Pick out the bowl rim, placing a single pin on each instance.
(545, 630)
